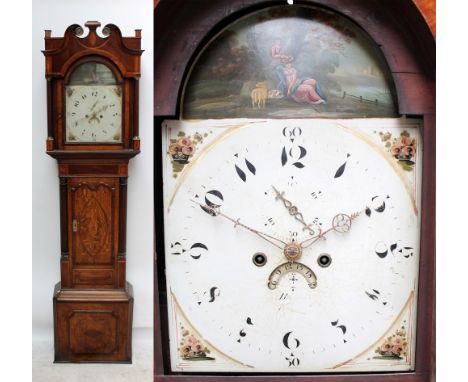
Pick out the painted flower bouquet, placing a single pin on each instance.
(182, 148)
(394, 347)
(192, 349)
(404, 149)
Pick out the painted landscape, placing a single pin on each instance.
(290, 62)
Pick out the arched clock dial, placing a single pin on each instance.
(93, 105)
(335, 220)
(94, 113)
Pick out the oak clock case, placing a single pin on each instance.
(92, 93)
(293, 213)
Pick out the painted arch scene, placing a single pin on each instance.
(290, 62)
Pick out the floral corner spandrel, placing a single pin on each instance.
(394, 347)
(182, 148)
(403, 148)
(191, 348)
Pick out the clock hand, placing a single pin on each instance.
(94, 115)
(294, 211)
(340, 223)
(103, 108)
(94, 105)
(216, 211)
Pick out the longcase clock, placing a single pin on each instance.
(92, 100)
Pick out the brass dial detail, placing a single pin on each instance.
(292, 251)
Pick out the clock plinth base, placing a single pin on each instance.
(93, 325)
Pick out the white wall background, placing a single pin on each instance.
(57, 15)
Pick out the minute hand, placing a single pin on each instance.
(271, 239)
(340, 223)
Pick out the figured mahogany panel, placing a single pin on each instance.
(93, 277)
(94, 219)
(93, 331)
(93, 169)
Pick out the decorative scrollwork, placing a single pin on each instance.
(79, 31)
(341, 223)
(106, 31)
(294, 212)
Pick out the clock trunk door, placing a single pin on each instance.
(94, 226)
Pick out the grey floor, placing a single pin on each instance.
(141, 370)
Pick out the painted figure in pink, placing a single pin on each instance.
(302, 90)
(277, 54)
(279, 59)
(276, 49)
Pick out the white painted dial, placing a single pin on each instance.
(93, 113)
(295, 191)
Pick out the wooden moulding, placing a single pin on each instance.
(62, 52)
(85, 295)
(93, 154)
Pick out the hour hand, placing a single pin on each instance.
(216, 211)
(102, 108)
(294, 212)
(94, 105)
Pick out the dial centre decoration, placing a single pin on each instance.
(292, 251)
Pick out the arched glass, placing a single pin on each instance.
(92, 73)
